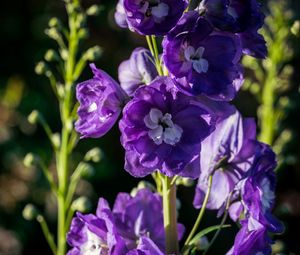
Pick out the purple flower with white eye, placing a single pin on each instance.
(203, 61)
(153, 17)
(120, 15)
(91, 235)
(226, 155)
(241, 17)
(137, 71)
(162, 129)
(101, 100)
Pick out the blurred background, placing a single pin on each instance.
(23, 43)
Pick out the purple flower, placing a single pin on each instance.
(153, 17)
(226, 155)
(120, 15)
(92, 235)
(162, 129)
(257, 194)
(137, 71)
(134, 227)
(241, 17)
(251, 241)
(203, 61)
(101, 100)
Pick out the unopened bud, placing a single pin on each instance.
(64, 54)
(54, 22)
(81, 19)
(93, 10)
(51, 55)
(202, 243)
(52, 33)
(133, 192)
(93, 53)
(145, 185)
(40, 68)
(83, 33)
(33, 117)
(295, 29)
(55, 139)
(29, 160)
(86, 169)
(30, 212)
(94, 155)
(82, 204)
(187, 182)
(60, 90)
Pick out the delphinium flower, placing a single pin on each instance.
(243, 18)
(153, 17)
(201, 60)
(253, 201)
(101, 100)
(134, 226)
(137, 71)
(227, 155)
(162, 129)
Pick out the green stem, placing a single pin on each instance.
(201, 214)
(170, 216)
(267, 115)
(47, 233)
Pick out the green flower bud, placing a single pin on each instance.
(145, 184)
(54, 22)
(295, 29)
(93, 10)
(29, 160)
(55, 139)
(94, 155)
(52, 33)
(93, 53)
(33, 117)
(82, 204)
(40, 68)
(51, 55)
(86, 169)
(64, 54)
(202, 243)
(30, 212)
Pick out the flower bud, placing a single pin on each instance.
(86, 169)
(30, 212)
(64, 54)
(295, 29)
(94, 155)
(54, 22)
(83, 33)
(81, 204)
(33, 117)
(60, 90)
(202, 243)
(52, 33)
(55, 139)
(29, 160)
(93, 10)
(51, 55)
(40, 68)
(93, 53)
(145, 184)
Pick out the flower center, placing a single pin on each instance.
(162, 128)
(94, 245)
(156, 9)
(267, 195)
(200, 64)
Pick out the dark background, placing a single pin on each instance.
(22, 45)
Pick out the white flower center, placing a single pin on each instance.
(94, 245)
(200, 65)
(162, 128)
(93, 107)
(267, 195)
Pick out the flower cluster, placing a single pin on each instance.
(133, 226)
(181, 124)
